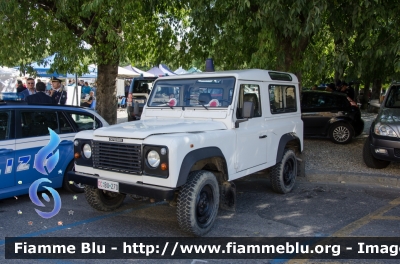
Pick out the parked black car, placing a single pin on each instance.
(330, 114)
(383, 144)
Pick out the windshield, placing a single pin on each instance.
(393, 98)
(208, 92)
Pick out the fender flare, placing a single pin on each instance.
(282, 144)
(192, 157)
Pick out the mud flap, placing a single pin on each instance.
(227, 192)
(301, 165)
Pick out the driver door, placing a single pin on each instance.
(251, 135)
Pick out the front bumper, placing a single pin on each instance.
(358, 127)
(392, 147)
(152, 191)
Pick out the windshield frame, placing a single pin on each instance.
(206, 92)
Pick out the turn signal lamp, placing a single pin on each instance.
(76, 155)
(164, 166)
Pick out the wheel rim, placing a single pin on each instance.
(204, 206)
(341, 134)
(289, 172)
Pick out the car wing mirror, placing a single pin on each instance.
(247, 112)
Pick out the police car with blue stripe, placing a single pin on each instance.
(25, 130)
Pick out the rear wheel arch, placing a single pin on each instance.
(288, 141)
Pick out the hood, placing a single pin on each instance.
(144, 128)
(391, 117)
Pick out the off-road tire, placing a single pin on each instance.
(198, 203)
(103, 200)
(370, 160)
(74, 187)
(341, 133)
(283, 174)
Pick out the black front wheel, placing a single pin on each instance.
(198, 203)
(103, 200)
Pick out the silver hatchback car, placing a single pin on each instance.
(383, 144)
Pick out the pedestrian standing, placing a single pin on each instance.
(20, 86)
(57, 94)
(40, 97)
(30, 82)
(347, 90)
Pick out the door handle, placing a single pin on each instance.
(263, 136)
(5, 151)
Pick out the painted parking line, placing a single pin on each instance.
(86, 221)
(349, 229)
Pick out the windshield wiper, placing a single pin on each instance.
(202, 104)
(166, 104)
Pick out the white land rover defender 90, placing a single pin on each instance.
(197, 134)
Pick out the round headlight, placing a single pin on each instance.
(153, 159)
(87, 151)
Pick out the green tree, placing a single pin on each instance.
(253, 33)
(85, 31)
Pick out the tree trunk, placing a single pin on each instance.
(376, 89)
(366, 95)
(106, 93)
(357, 91)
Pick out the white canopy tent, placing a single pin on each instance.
(180, 71)
(8, 78)
(124, 73)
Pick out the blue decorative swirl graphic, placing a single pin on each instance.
(46, 154)
(35, 199)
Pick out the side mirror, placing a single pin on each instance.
(247, 112)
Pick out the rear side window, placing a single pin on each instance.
(4, 125)
(282, 99)
(35, 124)
(84, 121)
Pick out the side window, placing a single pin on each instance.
(35, 124)
(65, 126)
(393, 98)
(4, 125)
(249, 93)
(282, 99)
(318, 100)
(83, 121)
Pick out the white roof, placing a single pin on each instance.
(248, 74)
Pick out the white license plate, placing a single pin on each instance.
(108, 185)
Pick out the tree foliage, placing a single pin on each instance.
(318, 40)
(80, 32)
